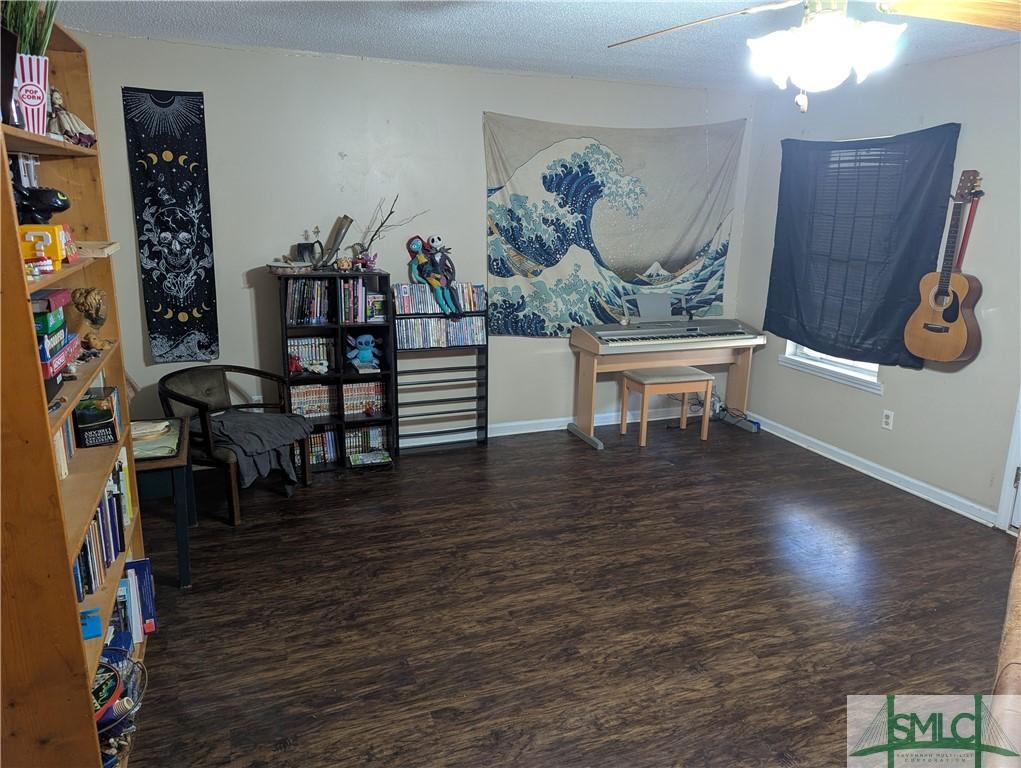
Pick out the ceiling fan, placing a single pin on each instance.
(821, 53)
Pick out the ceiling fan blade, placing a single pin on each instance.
(998, 14)
(687, 25)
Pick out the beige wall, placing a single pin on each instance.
(950, 429)
(295, 140)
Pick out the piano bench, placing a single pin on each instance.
(681, 380)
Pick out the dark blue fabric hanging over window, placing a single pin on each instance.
(857, 225)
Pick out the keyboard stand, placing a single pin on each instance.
(589, 365)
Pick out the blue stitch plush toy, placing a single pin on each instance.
(364, 350)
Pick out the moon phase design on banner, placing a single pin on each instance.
(166, 141)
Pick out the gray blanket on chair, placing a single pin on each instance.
(261, 441)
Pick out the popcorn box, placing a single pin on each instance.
(33, 75)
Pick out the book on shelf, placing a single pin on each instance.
(134, 611)
(105, 538)
(323, 447)
(127, 614)
(375, 308)
(50, 299)
(369, 458)
(64, 447)
(92, 625)
(363, 398)
(314, 399)
(364, 440)
(312, 349)
(308, 301)
(440, 332)
(58, 360)
(51, 342)
(47, 322)
(97, 418)
(418, 298)
(361, 367)
(140, 575)
(352, 300)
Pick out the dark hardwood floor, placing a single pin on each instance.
(540, 604)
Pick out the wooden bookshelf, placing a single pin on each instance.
(48, 668)
(56, 279)
(19, 140)
(72, 391)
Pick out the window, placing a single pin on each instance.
(858, 223)
(861, 375)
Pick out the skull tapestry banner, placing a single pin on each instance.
(166, 137)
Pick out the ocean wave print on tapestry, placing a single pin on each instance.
(582, 220)
(166, 140)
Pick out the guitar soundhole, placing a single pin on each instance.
(949, 304)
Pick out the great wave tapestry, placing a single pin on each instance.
(581, 220)
(166, 135)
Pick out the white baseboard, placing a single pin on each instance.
(560, 422)
(505, 428)
(913, 486)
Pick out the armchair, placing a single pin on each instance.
(197, 394)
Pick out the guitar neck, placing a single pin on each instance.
(951, 247)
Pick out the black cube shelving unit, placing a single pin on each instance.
(336, 328)
(449, 380)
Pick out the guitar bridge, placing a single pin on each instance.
(936, 328)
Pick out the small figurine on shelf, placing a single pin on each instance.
(36, 205)
(293, 363)
(364, 354)
(67, 124)
(91, 302)
(363, 262)
(431, 265)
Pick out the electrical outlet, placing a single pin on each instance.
(887, 420)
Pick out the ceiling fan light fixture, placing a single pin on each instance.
(877, 47)
(820, 54)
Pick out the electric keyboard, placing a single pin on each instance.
(665, 335)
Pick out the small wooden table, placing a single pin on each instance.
(153, 476)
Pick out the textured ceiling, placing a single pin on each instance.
(567, 38)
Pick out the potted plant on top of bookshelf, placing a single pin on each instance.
(32, 22)
(8, 56)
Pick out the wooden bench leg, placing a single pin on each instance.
(684, 411)
(624, 393)
(706, 410)
(643, 426)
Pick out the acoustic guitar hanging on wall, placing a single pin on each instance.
(943, 327)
